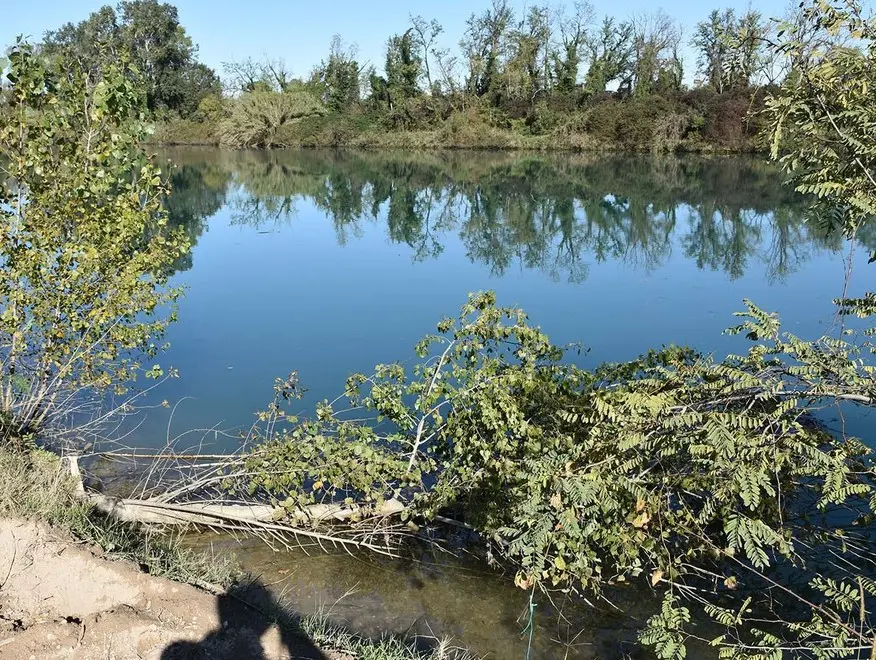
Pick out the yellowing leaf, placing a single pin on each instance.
(641, 520)
(523, 581)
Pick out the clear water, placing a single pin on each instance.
(330, 262)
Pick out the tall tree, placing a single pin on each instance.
(447, 63)
(424, 35)
(150, 35)
(656, 37)
(242, 75)
(746, 47)
(483, 44)
(339, 76)
(87, 45)
(527, 70)
(711, 40)
(730, 48)
(277, 74)
(610, 53)
(402, 68)
(573, 34)
(193, 84)
(159, 48)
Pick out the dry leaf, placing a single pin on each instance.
(522, 581)
(641, 520)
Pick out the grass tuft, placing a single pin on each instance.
(33, 486)
(327, 635)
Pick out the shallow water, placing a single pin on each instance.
(330, 262)
(432, 597)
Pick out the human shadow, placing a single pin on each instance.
(246, 612)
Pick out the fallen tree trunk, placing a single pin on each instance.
(201, 513)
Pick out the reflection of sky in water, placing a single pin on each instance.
(295, 290)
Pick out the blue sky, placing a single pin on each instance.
(299, 31)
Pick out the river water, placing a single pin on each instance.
(331, 262)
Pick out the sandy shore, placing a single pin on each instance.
(59, 599)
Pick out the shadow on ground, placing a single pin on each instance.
(253, 625)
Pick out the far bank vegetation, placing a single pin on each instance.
(545, 76)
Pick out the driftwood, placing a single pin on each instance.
(153, 511)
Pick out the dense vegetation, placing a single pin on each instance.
(545, 77)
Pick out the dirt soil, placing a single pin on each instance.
(59, 599)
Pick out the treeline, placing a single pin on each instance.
(548, 76)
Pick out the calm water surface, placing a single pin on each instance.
(330, 262)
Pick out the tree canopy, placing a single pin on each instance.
(150, 36)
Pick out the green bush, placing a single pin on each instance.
(185, 131)
(212, 109)
(542, 119)
(331, 130)
(471, 129)
(257, 119)
(635, 122)
(729, 121)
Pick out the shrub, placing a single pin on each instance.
(729, 120)
(185, 131)
(257, 118)
(632, 123)
(471, 129)
(212, 109)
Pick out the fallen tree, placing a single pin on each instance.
(271, 522)
(707, 481)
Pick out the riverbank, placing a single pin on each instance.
(691, 122)
(64, 600)
(74, 584)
